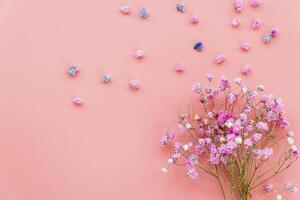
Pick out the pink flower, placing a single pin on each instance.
(267, 153)
(245, 46)
(197, 88)
(220, 59)
(256, 24)
(238, 6)
(269, 187)
(254, 3)
(194, 20)
(179, 68)
(77, 101)
(139, 54)
(125, 10)
(210, 77)
(274, 32)
(235, 23)
(192, 173)
(245, 70)
(134, 84)
(262, 126)
(256, 137)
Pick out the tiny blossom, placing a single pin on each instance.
(192, 173)
(279, 197)
(220, 59)
(244, 46)
(269, 187)
(238, 6)
(197, 88)
(125, 10)
(256, 24)
(256, 137)
(245, 70)
(210, 77)
(144, 13)
(290, 140)
(254, 3)
(134, 84)
(194, 20)
(238, 140)
(262, 126)
(274, 32)
(77, 101)
(267, 153)
(266, 38)
(179, 68)
(261, 88)
(238, 80)
(198, 46)
(72, 70)
(139, 54)
(106, 78)
(185, 147)
(291, 134)
(188, 126)
(196, 117)
(235, 22)
(180, 7)
(165, 169)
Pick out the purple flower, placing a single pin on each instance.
(197, 88)
(262, 126)
(248, 143)
(192, 173)
(269, 187)
(267, 153)
(256, 137)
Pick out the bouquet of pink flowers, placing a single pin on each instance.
(232, 136)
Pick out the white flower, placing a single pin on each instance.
(165, 169)
(196, 117)
(185, 147)
(238, 80)
(170, 160)
(245, 89)
(222, 139)
(293, 148)
(228, 124)
(279, 197)
(261, 88)
(290, 140)
(238, 140)
(188, 126)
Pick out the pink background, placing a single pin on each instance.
(109, 148)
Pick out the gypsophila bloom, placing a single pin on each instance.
(180, 7)
(238, 6)
(73, 70)
(235, 22)
(274, 32)
(233, 137)
(220, 59)
(269, 187)
(179, 68)
(198, 46)
(165, 169)
(256, 24)
(134, 84)
(210, 77)
(139, 54)
(279, 197)
(254, 3)
(125, 10)
(267, 38)
(194, 20)
(144, 13)
(106, 78)
(245, 70)
(244, 46)
(77, 101)
(197, 88)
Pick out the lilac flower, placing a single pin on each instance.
(248, 143)
(192, 173)
(267, 153)
(269, 187)
(256, 137)
(197, 88)
(262, 126)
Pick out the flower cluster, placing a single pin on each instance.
(232, 135)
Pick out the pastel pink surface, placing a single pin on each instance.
(108, 148)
